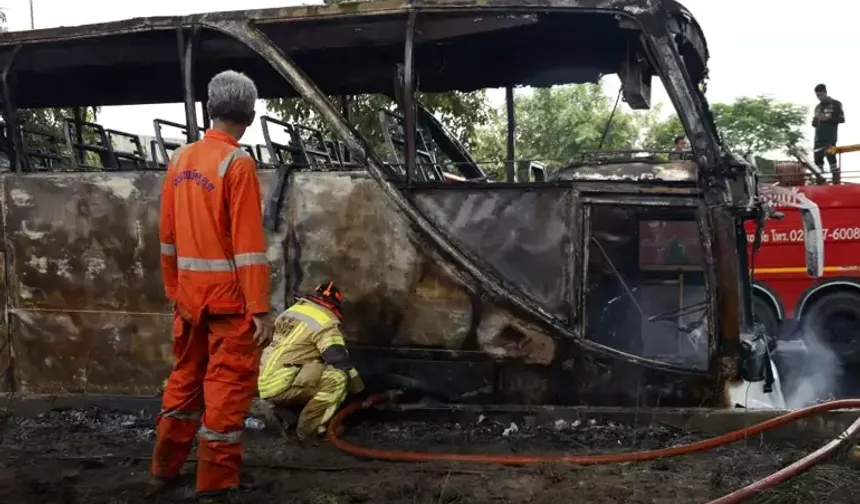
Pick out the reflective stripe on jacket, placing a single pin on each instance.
(213, 250)
(303, 333)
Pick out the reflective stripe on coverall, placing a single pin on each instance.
(307, 362)
(216, 273)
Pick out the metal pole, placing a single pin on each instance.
(207, 122)
(409, 99)
(186, 60)
(18, 160)
(32, 19)
(512, 128)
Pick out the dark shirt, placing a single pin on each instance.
(828, 116)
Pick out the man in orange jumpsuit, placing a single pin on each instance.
(213, 258)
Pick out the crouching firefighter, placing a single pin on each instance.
(308, 362)
(216, 273)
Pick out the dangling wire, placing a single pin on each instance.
(609, 121)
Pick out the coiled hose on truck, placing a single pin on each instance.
(614, 458)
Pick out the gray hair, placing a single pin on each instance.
(232, 96)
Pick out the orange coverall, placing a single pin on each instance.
(215, 270)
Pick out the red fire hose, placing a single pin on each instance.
(791, 471)
(614, 458)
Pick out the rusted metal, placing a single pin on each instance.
(7, 374)
(373, 314)
(17, 160)
(78, 115)
(409, 98)
(403, 301)
(510, 137)
(86, 313)
(679, 171)
(86, 316)
(186, 43)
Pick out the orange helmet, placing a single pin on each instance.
(329, 292)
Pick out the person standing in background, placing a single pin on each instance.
(826, 120)
(679, 150)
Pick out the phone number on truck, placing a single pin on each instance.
(797, 235)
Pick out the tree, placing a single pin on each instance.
(660, 135)
(749, 126)
(556, 125)
(461, 113)
(755, 125)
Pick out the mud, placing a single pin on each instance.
(94, 457)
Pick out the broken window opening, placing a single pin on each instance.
(646, 288)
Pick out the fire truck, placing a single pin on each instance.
(786, 301)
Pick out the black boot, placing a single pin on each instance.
(225, 496)
(157, 485)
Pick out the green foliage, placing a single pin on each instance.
(660, 134)
(556, 125)
(460, 112)
(552, 129)
(754, 125)
(50, 119)
(749, 125)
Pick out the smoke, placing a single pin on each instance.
(812, 374)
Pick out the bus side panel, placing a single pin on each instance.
(411, 319)
(86, 306)
(7, 375)
(341, 228)
(275, 251)
(406, 311)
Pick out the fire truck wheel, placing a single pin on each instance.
(765, 314)
(835, 320)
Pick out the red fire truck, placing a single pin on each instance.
(786, 300)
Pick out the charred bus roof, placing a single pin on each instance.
(348, 48)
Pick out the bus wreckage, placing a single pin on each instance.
(572, 289)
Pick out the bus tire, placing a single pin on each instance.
(834, 319)
(765, 314)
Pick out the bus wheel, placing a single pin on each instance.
(835, 320)
(764, 314)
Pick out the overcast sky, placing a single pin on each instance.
(757, 47)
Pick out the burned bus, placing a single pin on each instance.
(622, 279)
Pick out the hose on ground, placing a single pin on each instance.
(611, 458)
(791, 471)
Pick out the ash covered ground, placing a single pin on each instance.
(92, 456)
